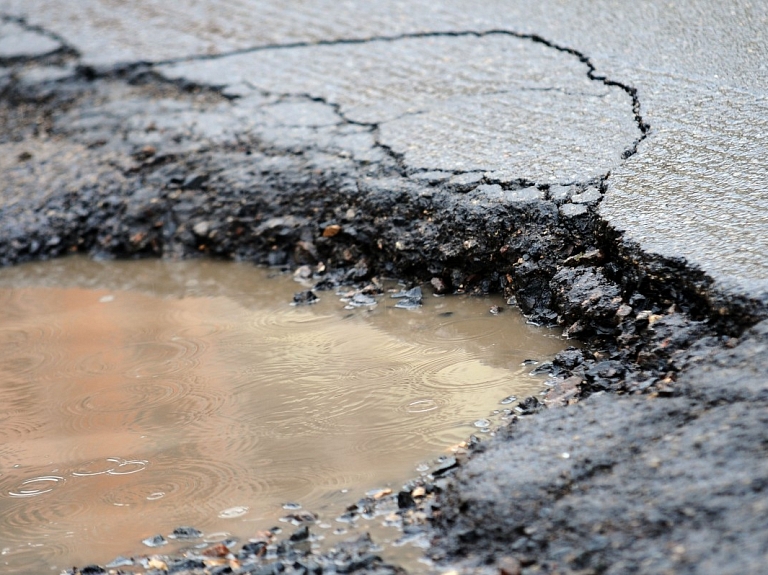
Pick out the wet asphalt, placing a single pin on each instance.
(603, 163)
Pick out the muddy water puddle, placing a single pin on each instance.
(136, 397)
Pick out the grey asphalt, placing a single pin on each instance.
(656, 110)
(695, 190)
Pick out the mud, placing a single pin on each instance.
(662, 473)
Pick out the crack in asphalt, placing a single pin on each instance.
(643, 126)
(399, 160)
(64, 50)
(373, 127)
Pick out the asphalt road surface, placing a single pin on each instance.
(459, 140)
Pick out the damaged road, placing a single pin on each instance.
(513, 155)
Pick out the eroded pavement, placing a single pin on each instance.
(601, 163)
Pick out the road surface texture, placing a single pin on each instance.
(602, 162)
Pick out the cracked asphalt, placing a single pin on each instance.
(603, 163)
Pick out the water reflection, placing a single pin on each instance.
(139, 396)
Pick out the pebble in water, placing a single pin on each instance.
(409, 299)
(119, 562)
(155, 541)
(408, 304)
(360, 299)
(185, 532)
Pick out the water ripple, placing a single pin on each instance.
(156, 409)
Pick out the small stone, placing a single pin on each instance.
(439, 285)
(301, 534)
(624, 311)
(496, 309)
(542, 368)
(610, 369)
(155, 541)
(185, 565)
(382, 493)
(528, 405)
(147, 151)
(563, 392)
(186, 533)
(201, 228)
(303, 273)
(405, 500)
(572, 210)
(569, 358)
(419, 492)
(445, 465)
(588, 196)
(331, 231)
(410, 299)
(155, 563)
(194, 181)
(509, 566)
(560, 194)
(218, 550)
(413, 293)
(119, 561)
(360, 299)
(304, 298)
(408, 304)
(299, 517)
(254, 548)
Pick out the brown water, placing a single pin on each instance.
(139, 396)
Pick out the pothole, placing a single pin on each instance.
(148, 395)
